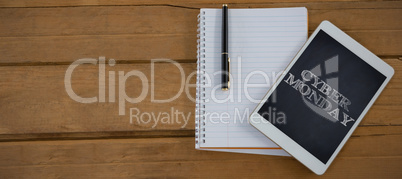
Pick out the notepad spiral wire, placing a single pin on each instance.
(200, 92)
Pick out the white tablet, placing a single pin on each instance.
(321, 97)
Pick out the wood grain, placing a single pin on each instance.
(192, 4)
(49, 109)
(387, 167)
(36, 101)
(141, 33)
(46, 134)
(176, 157)
(138, 48)
(115, 20)
(123, 20)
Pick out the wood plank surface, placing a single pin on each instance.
(176, 157)
(373, 167)
(123, 20)
(141, 48)
(51, 110)
(120, 47)
(189, 4)
(44, 133)
(122, 32)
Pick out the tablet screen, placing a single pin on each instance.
(322, 96)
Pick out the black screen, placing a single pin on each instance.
(322, 96)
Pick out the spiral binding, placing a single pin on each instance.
(200, 91)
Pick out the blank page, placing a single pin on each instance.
(262, 42)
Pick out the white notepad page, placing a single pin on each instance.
(261, 44)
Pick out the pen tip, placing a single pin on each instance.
(225, 5)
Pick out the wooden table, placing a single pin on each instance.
(45, 133)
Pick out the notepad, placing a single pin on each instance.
(262, 42)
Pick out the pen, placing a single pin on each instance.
(225, 51)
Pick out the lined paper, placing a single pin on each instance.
(261, 44)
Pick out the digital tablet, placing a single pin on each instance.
(321, 97)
